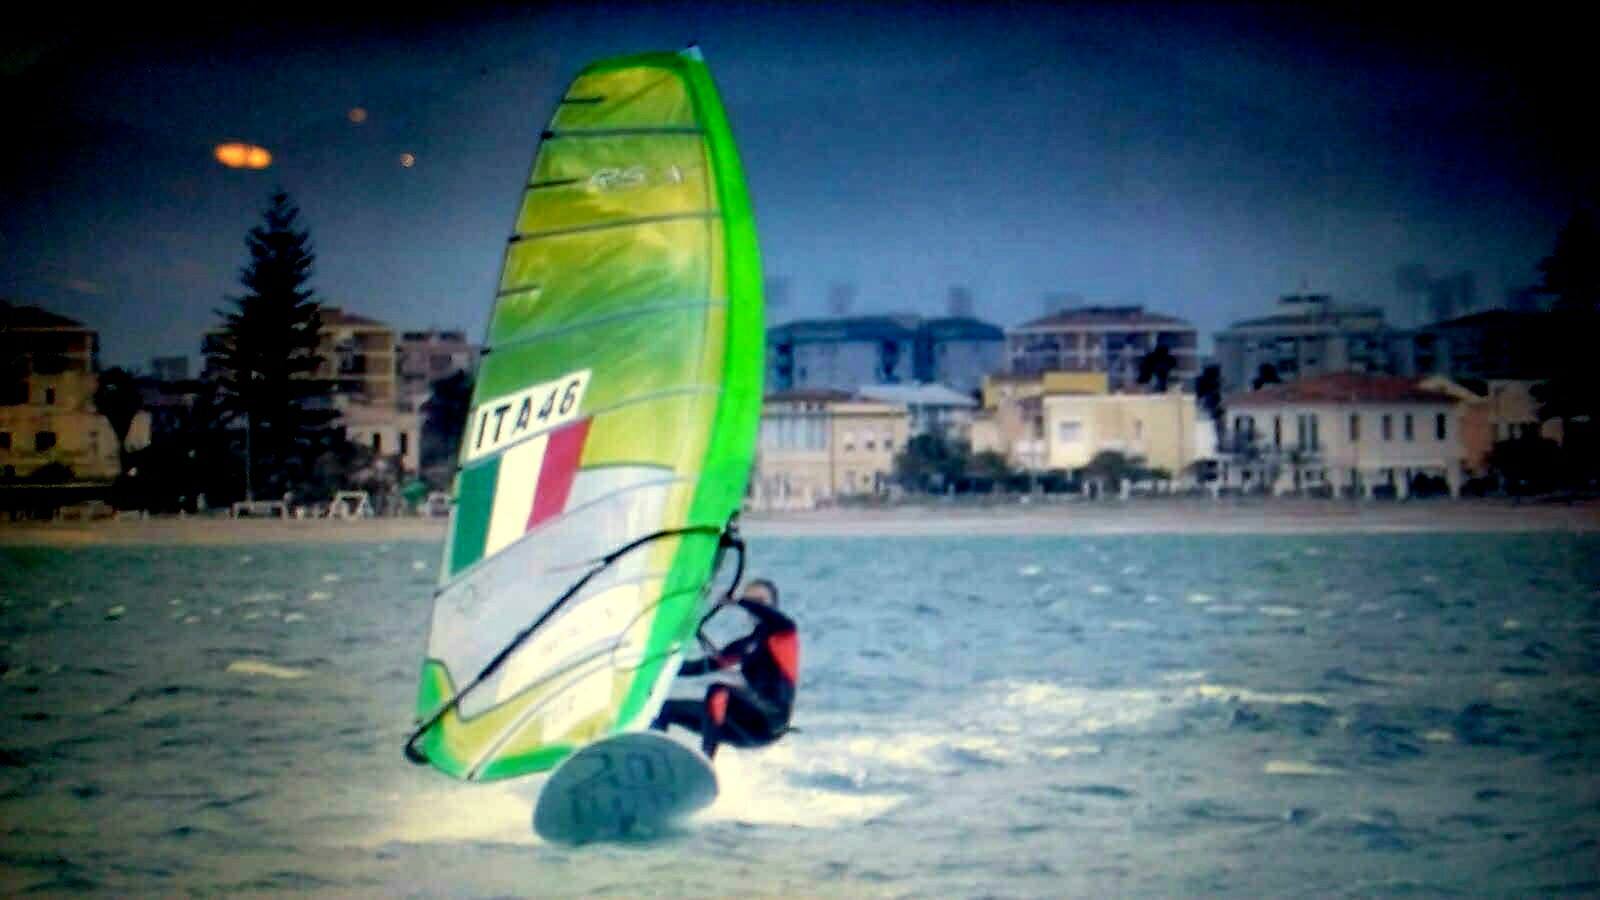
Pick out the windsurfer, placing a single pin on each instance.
(756, 713)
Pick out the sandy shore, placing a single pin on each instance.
(1145, 516)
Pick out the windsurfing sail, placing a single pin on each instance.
(612, 428)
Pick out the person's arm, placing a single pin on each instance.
(702, 666)
(725, 658)
(768, 616)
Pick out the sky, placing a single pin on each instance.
(1200, 160)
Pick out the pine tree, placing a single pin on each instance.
(267, 360)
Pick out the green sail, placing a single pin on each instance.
(618, 397)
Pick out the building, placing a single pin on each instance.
(818, 445)
(1346, 434)
(358, 356)
(845, 353)
(1308, 336)
(1011, 421)
(1503, 410)
(931, 408)
(1161, 431)
(426, 357)
(958, 351)
(1106, 339)
(47, 385)
(1498, 344)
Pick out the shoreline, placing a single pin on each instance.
(1142, 516)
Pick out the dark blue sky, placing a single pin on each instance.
(1200, 160)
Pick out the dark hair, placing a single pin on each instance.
(772, 589)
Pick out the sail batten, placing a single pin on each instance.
(615, 407)
(621, 223)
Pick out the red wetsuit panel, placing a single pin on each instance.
(785, 649)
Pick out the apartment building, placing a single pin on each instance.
(818, 445)
(1310, 335)
(1103, 339)
(48, 375)
(1348, 434)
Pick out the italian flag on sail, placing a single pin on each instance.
(526, 485)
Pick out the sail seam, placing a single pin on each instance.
(577, 659)
(607, 320)
(620, 223)
(622, 132)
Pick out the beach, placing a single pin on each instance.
(1139, 516)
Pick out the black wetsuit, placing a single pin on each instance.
(769, 659)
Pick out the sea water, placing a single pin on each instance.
(1328, 716)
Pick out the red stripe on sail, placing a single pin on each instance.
(560, 466)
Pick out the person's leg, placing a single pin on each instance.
(748, 720)
(688, 714)
(716, 715)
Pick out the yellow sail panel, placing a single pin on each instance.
(635, 97)
(592, 181)
(558, 281)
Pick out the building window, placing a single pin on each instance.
(1355, 427)
(1439, 428)
(377, 442)
(405, 443)
(1277, 431)
(849, 440)
(5, 440)
(43, 441)
(49, 396)
(1069, 432)
(1316, 439)
(1410, 432)
(1388, 427)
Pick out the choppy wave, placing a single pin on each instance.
(1036, 718)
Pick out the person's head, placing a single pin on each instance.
(760, 590)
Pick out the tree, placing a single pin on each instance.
(989, 467)
(1265, 375)
(444, 419)
(1529, 464)
(1156, 366)
(117, 397)
(267, 357)
(1572, 271)
(1109, 468)
(930, 462)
